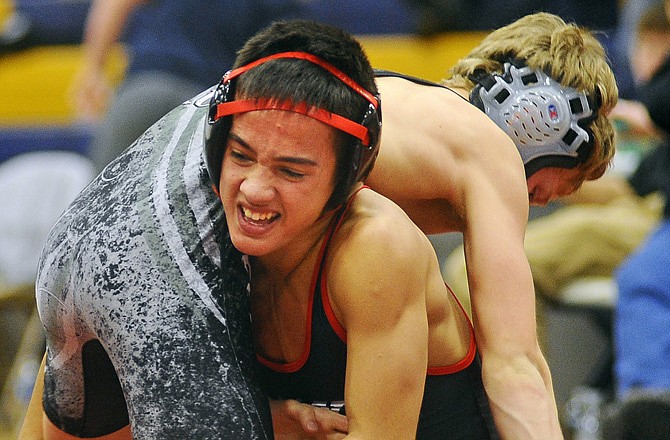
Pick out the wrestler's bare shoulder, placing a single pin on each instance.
(434, 145)
(434, 117)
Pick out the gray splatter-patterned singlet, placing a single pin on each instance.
(144, 300)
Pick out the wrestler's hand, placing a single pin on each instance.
(293, 420)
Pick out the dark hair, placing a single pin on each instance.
(303, 81)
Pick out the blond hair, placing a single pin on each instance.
(568, 53)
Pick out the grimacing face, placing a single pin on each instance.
(277, 175)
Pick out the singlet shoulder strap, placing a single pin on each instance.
(381, 73)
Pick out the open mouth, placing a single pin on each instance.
(258, 217)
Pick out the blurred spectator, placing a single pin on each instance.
(606, 219)
(622, 42)
(43, 22)
(465, 15)
(177, 49)
(642, 319)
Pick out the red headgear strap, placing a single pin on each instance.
(339, 122)
(314, 59)
(332, 119)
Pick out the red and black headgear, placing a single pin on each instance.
(364, 135)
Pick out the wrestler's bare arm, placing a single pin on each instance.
(419, 154)
(31, 429)
(516, 376)
(104, 27)
(381, 304)
(452, 169)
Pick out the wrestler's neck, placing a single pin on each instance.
(282, 264)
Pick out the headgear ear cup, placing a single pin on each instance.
(223, 105)
(216, 131)
(372, 120)
(545, 119)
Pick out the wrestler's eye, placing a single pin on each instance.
(292, 174)
(239, 157)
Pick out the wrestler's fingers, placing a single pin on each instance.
(295, 420)
(330, 422)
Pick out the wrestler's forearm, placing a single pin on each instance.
(515, 373)
(521, 398)
(32, 422)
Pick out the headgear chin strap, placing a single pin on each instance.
(223, 106)
(546, 120)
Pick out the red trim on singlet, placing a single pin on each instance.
(292, 367)
(432, 371)
(469, 356)
(337, 327)
(325, 301)
(332, 319)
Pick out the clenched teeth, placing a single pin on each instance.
(255, 216)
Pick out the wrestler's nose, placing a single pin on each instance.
(258, 186)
